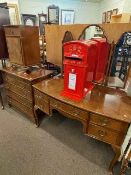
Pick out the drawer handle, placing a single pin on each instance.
(77, 113)
(56, 105)
(102, 133)
(104, 122)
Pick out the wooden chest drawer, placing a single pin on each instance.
(18, 82)
(41, 101)
(105, 134)
(109, 123)
(23, 108)
(12, 32)
(68, 109)
(22, 92)
(20, 99)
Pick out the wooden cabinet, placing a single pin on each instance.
(19, 89)
(23, 45)
(121, 18)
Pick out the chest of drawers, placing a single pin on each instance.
(19, 89)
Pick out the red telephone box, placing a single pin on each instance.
(84, 62)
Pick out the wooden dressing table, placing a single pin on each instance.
(105, 113)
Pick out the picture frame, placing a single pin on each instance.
(104, 17)
(53, 14)
(14, 14)
(115, 11)
(108, 16)
(29, 19)
(67, 17)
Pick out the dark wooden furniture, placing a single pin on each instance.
(23, 45)
(126, 163)
(105, 113)
(18, 85)
(4, 20)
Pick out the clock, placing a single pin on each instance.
(42, 22)
(29, 20)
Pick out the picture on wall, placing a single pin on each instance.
(114, 11)
(108, 16)
(104, 17)
(14, 14)
(67, 17)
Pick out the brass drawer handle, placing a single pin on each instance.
(77, 113)
(56, 105)
(102, 133)
(104, 122)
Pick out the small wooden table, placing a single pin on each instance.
(18, 86)
(105, 113)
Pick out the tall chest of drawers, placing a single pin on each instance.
(19, 88)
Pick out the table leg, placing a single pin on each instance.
(36, 116)
(117, 151)
(1, 99)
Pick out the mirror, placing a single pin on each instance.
(121, 60)
(92, 31)
(67, 37)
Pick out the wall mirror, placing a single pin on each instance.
(92, 31)
(120, 62)
(67, 37)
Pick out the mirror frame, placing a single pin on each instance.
(90, 26)
(111, 61)
(67, 37)
(110, 51)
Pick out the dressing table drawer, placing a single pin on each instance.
(41, 101)
(40, 96)
(106, 135)
(68, 109)
(108, 123)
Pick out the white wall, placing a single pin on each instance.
(106, 5)
(127, 6)
(85, 12)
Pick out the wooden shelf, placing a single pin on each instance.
(121, 18)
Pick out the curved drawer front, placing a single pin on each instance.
(19, 82)
(41, 101)
(20, 99)
(109, 123)
(68, 109)
(105, 134)
(22, 92)
(22, 107)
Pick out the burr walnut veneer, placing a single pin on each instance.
(18, 85)
(23, 44)
(105, 113)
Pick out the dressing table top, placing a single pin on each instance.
(101, 100)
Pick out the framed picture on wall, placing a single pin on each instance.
(108, 16)
(53, 14)
(14, 14)
(104, 17)
(67, 17)
(114, 11)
